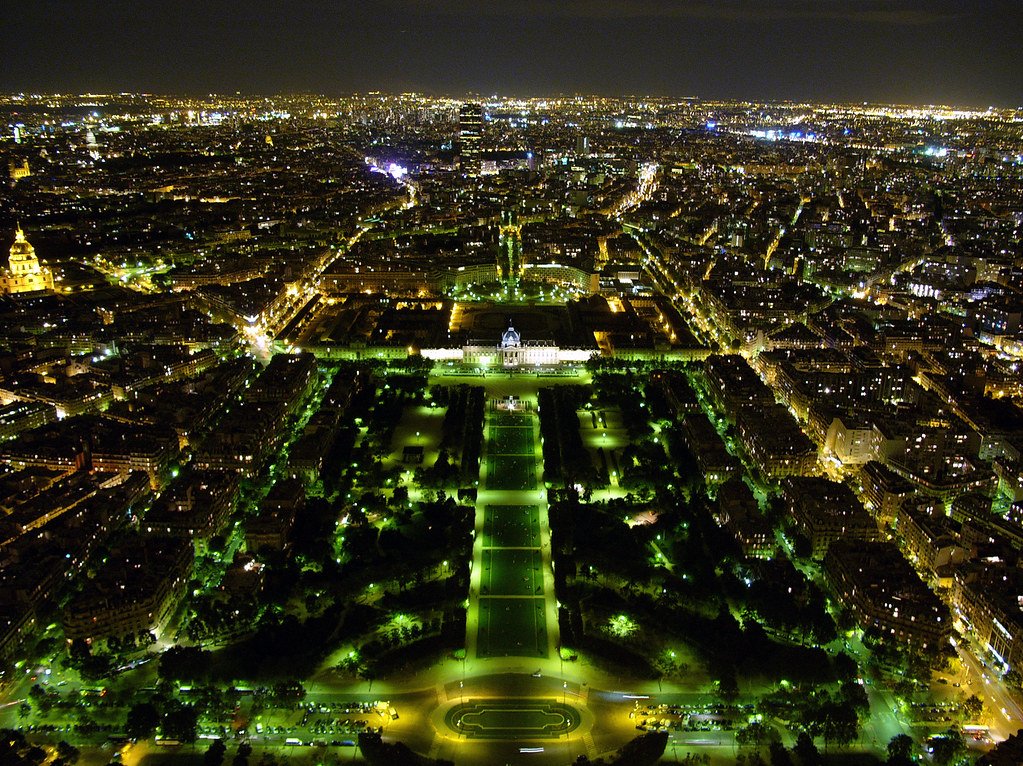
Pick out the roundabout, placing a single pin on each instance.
(512, 719)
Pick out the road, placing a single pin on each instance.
(1002, 711)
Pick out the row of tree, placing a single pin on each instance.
(565, 459)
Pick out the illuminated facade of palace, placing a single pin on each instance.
(24, 274)
(512, 352)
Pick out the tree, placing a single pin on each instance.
(214, 753)
(67, 753)
(142, 720)
(841, 724)
(1014, 679)
(728, 686)
(806, 750)
(779, 754)
(242, 758)
(947, 748)
(845, 667)
(184, 663)
(855, 695)
(900, 748)
(181, 723)
(973, 706)
(752, 735)
(40, 697)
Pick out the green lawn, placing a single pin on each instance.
(510, 441)
(506, 419)
(511, 572)
(517, 472)
(512, 627)
(511, 526)
(513, 719)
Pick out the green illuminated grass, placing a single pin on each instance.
(512, 719)
(512, 627)
(515, 472)
(511, 572)
(511, 526)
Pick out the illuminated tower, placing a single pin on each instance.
(470, 136)
(510, 262)
(24, 274)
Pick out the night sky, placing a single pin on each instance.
(965, 52)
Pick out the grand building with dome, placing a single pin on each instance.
(512, 352)
(24, 274)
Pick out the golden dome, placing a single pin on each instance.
(21, 248)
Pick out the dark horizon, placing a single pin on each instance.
(874, 51)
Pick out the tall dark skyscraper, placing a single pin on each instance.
(470, 136)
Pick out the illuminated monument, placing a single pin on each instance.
(24, 274)
(513, 353)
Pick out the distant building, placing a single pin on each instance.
(511, 352)
(716, 463)
(825, 511)
(271, 529)
(138, 587)
(880, 588)
(775, 442)
(470, 137)
(195, 507)
(885, 492)
(19, 170)
(24, 274)
(986, 598)
(739, 514)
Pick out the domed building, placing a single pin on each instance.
(24, 274)
(511, 338)
(511, 352)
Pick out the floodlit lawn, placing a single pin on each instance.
(511, 526)
(513, 719)
(511, 472)
(509, 419)
(510, 441)
(603, 429)
(419, 427)
(511, 572)
(512, 627)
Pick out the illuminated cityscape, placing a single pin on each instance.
(411, 429)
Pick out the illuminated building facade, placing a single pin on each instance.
(24, 274)
(512, 352)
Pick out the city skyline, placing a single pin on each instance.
(543, 431)
(898, 51)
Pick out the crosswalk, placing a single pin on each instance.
(591, 748)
